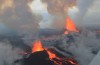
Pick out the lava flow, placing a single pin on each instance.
(70, 26)
(37, 47)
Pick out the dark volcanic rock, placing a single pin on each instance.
(38, 58)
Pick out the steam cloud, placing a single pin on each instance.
(59, 7)
(83, 6)
(84, 47)
(86, 13)
(86, 44)
(18, 15)
(53, 12)
(7, 54)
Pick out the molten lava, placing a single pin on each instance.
(37, 46)
(70, 26)
(51, 55)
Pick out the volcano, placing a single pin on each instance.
(45, 56)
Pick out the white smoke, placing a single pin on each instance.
(18, 16)
(83, 47)
(7, 54)
(52, 16)
(83, 6)
(80, 12)
(85, 14)
(40, 8)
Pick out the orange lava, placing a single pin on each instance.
(37, 46)
(51, 55)
(70, 26)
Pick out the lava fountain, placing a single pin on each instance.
(37, 46)
(70, 26)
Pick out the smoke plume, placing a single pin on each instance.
(21, 15)
(17, 15)
(7, 54)
(87, 46)
(83, 6)
(59, 7)
(53, 12)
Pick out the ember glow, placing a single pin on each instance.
(70, 26)
(37, 46)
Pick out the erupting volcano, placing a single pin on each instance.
(37, 46)
(45, 56)
(40, 55)
(70, 26)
